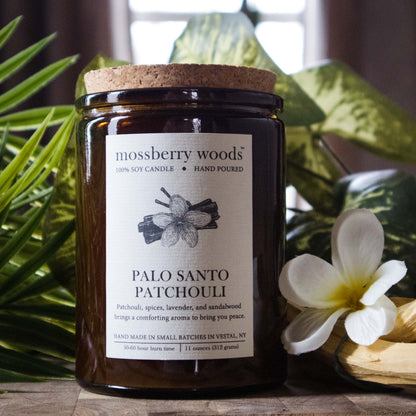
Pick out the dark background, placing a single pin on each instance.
(375, 37)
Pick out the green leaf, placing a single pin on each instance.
(15, 283)
(309, 169)
(19, 162)
(22, 256)
(29, 332)
(60, 295)
(16, 62)
(31, 288)
(358, 112)
(229, 39)
(3, 215)
(7, 376)
(36, 316)
(61, 210)
(33, 84)
(62, 207)
(47, 160)
(21, 236)
(23, 200)
(8, 30)
(44, 309)
(4, 141)
(27, 364)
(15, 144)
(33, 118)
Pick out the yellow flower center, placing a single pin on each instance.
(352, 299)
(349, 296)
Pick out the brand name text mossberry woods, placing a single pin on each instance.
(180, 155)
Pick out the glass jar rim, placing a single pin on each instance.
(195, 96)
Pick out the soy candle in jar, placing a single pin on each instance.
(180, 231)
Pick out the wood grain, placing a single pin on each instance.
(312, 388)
(386, 361)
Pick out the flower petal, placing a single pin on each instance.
(162, 220)
(310, 330)
(198, 218)
(357, 244)
(170, 236)
(189, 234)
(387, 275)
(310, 281)
(178, 206)
(364, 327)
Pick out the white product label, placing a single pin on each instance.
(179, 246)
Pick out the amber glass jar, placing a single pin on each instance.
(180, 238)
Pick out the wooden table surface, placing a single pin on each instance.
(311, 388)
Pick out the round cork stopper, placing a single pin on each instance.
(179, 75)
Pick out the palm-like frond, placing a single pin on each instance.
(36, 313)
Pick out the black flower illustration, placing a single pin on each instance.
(180, 222)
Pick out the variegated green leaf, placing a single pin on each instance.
(391, 196)
(401, 247)
(358, 112)
(309, 232)
(309, 168)
(229, 39)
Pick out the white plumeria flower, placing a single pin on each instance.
(354, 285)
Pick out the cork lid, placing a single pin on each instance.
(179, 75)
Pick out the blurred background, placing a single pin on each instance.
(377, 38)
